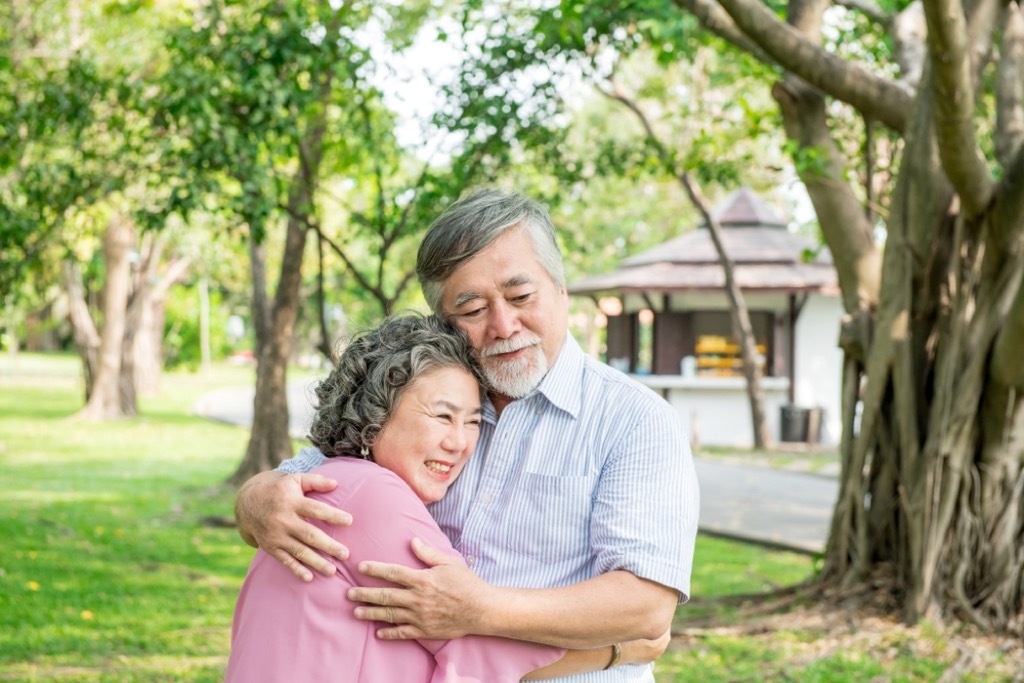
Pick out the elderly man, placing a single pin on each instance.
(581, 493)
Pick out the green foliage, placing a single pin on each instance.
(50, 162)
(182, 335)
(235, 99)
(71, 132)
(244, 84)
(709, 110)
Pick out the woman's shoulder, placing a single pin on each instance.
(354, 474)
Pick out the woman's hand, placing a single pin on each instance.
(272, 512)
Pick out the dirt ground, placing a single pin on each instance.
(826, 630)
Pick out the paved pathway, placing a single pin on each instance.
(750, 502)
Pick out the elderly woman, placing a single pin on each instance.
(398, 417)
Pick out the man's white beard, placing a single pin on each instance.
(518, 377)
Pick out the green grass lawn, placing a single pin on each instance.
(109, 573)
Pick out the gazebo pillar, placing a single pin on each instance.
(673, 339)
(623, 341)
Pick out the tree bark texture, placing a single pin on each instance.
(932, 483)
(105, 400)
(83, 330)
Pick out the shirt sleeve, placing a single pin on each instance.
(305, 460)
(387, 515)
(647, 503)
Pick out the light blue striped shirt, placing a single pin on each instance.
(589, 473)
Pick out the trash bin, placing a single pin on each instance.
(801, 425)
(794, 423)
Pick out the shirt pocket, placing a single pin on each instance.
(548, 517)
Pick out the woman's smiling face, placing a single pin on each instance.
(432, 431)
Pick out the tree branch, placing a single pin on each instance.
(1010, 87)
(909, 35)
(712, 17)
(953, 88)
(740, 316)
(841, 216)
(363, 282)
(875, 97)
(984, 18)
(324, 345)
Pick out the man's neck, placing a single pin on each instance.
(499, 401)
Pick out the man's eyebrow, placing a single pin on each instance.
(465, 298)
(514, 281)
(517, 280)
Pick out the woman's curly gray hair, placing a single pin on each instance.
(355, 401)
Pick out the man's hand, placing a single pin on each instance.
(272, 509)
(443, 601)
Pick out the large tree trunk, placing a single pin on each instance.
(930, 503)
(269, 440)
(148, 347)
(105, 400)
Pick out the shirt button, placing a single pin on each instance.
(485, 499)
(471, 560)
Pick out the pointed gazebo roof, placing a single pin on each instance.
(765, 256)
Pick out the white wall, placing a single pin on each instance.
(819, 362)
(716, 410)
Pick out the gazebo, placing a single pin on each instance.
(669, 324)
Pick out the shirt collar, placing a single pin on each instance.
(562, 386)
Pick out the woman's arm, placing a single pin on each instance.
(596, 659)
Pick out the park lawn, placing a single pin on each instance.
(107, 571)
(111, 569)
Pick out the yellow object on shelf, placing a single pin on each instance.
(719, 356)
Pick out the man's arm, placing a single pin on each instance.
(448, 600)
(272, 512)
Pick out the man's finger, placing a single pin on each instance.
(379, 597)
(316, 482)
(390, 615)
(313, 537)
(315, 509)
(297, 568)
(395, 573)
(313, 559)
(430, 555)
(403, 632)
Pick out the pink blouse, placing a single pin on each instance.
(287, 630)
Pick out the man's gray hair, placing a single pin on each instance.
(355, 401)
(471, 224)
